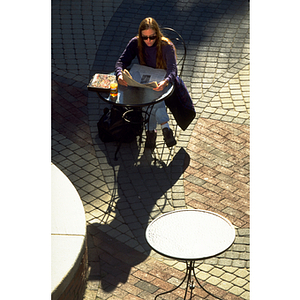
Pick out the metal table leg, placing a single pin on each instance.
(190, 271)
(187, 275)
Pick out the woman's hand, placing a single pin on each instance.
(121, 81)
(161, 85)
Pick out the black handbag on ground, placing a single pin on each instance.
(112, 126)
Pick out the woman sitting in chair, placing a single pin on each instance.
(156, 51)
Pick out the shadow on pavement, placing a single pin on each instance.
(141, 192)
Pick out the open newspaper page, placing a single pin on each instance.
(143, 76)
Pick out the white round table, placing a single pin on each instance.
(190, 235)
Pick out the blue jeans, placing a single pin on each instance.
(158, 116)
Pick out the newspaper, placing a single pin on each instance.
(143, 76)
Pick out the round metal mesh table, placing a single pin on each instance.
(190, 235)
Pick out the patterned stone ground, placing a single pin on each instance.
(209, 167)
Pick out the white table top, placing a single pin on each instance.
(190, 234)
(68, 231)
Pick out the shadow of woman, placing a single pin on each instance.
(141, 192)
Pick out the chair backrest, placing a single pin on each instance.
(179, 43)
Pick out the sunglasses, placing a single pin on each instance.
(151, 37)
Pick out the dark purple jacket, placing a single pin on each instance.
(131, 51)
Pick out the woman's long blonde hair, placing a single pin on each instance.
(150, 23)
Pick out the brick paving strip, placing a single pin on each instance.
(217, 178)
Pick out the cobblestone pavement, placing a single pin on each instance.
(208, 168)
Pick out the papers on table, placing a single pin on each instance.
(143, 76)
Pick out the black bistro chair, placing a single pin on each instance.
(179, 43)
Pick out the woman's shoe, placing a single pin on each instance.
(150, 139)
(168, 137)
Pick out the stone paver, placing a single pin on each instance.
(232, 102)
(208, 169)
